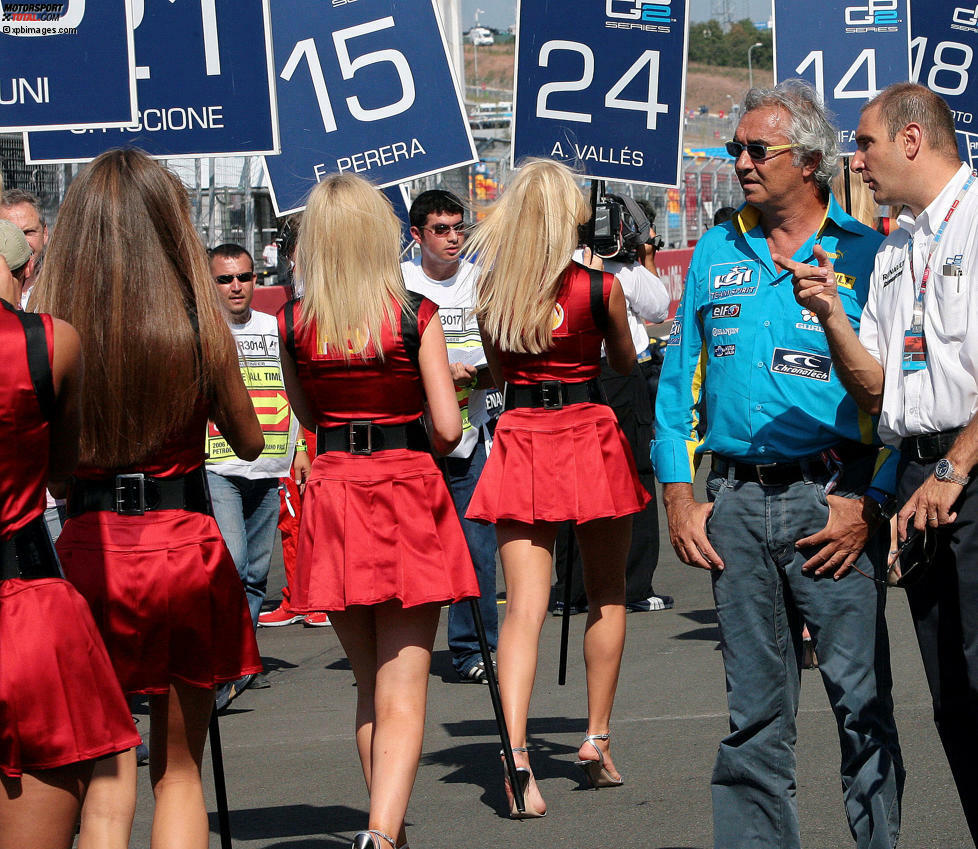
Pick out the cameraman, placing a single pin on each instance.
(632, 397)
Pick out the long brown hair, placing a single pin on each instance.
(127, 269)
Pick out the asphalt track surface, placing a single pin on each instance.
(294, 781)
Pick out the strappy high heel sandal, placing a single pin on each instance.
(524, 776)
(369, 840)
(595, 770)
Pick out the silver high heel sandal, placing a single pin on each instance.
(524, 777)
(595, 770)
(368, 840)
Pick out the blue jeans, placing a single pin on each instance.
(247, 513)
(763, 599)
(463, 475)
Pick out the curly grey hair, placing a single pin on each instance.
(810, 127)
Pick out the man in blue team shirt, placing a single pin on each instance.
(781, 550)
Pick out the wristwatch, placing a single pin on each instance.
(944, 471)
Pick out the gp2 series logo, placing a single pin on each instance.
(966, 16)
(657, 12)
(875, 13)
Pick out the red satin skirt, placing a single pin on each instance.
(378, 528)
(572, 464)
(165, 595)
(60, 702)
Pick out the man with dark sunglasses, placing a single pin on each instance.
(440, 274)
(245, 494)
(915, 363)
(789, 509)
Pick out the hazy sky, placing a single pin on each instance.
(501, 14)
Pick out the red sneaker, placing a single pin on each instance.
(316, 620)
(281, 615)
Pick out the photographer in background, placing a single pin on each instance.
(625, 244)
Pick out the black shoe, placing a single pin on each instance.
(558, 609)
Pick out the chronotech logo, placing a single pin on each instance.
(801, 364)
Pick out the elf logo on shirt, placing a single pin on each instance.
(558, 317)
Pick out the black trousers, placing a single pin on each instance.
(944, 606)
(629, 398)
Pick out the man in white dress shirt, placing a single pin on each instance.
(915, 363)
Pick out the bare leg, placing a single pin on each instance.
(526, 553)
(178, 730)
(39, 810)
(389, 648)
(110, 803)
(604, 552)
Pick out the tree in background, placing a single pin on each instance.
(709, 44)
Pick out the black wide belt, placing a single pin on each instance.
(929, 446)
(136, 494)
(365, 437)
(29, 554)
(553, 394)
(792, 471)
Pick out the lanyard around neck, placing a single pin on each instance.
(918, 307)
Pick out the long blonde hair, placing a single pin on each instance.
(348, 258)
(522, 247)
(127, 269)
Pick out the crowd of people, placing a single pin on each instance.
(433, 415)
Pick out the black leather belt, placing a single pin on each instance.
(365, 437)
(553, 394)
(929, 446)
(29, 554)
(136, 494)
(792, 471)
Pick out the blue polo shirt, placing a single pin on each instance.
(761, 362)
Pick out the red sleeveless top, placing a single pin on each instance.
(576, 350)
(387, 391)
(24, 434)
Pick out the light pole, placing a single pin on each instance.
(750, 67)
(475, 49)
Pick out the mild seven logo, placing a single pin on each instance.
(734, 279)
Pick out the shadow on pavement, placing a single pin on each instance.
(304, 821)
(706, 616)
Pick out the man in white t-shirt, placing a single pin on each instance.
(438, 227)
(245, 494)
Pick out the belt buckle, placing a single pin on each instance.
(356, 430)
(761, 468)
(920, 446)
(551, 395)
(130, 494)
